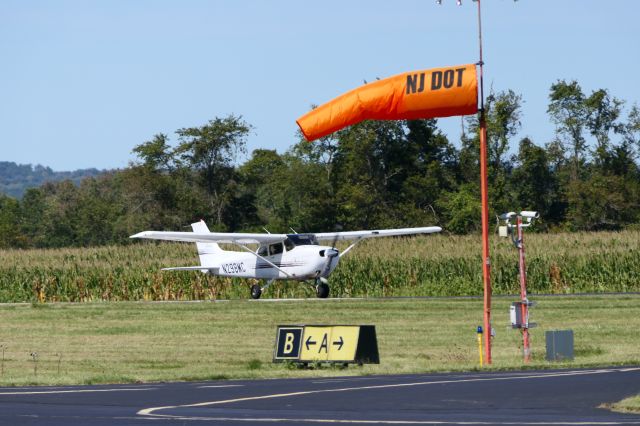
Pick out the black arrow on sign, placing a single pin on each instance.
(310, 342)
(339, 343)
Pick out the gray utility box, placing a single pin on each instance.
(515, 313)
(559, 345)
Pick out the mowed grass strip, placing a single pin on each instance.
(142, 342)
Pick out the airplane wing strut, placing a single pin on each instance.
(350, 247)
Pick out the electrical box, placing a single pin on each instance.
(515, 313)
(503, 231)
(559, 345)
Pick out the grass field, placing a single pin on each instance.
(434, 265)
(627, 405)
(129, 342)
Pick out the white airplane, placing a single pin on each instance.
(278, 257)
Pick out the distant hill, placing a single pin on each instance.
(16, 178)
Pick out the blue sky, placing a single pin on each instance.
(83, 82)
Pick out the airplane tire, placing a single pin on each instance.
(322, 291)
(256, 291)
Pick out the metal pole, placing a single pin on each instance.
(523, 294)
(486, 262)
(481, 62)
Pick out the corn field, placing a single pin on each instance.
(435, 265)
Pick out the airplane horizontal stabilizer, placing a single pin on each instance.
(192, 268)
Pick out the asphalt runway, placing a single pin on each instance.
(567, 397)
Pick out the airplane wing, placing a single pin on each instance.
(212, 237)
(357, 235)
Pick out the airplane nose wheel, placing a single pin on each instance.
(256, 291)
(322, 290)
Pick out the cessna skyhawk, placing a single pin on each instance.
(278, 257)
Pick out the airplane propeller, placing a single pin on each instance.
(330, 254)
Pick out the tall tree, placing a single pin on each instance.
(502, 115)
(321, 151)
(569, 113)
(211, 151)
(155, 154)
(431, 172)
(603, 112)
(261, 176)
(631, 128)
(10, 232)
(534, 183)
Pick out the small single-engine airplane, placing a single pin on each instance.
(279, 256)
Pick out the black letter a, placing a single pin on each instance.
(324, 344)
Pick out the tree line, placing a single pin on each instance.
(376, 174)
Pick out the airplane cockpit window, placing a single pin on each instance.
(275, 248)
(288, 244)
(303, 239)
(262, 251)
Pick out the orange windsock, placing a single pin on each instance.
(438, 92)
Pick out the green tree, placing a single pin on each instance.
(211, 151)
(33, 212)
(502, 115)
(464, 210)
(432, 171)
(631, 128)
(534, 183)
(603, 112)
(255, 198)
(371, 167)
(156, 154)
(321, 151)
(10, 235)
(61, 214)
(602, 202)
(568, 112)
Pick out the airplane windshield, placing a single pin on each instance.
(303, 239)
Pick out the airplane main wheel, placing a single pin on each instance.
(322, 290)
(256, 291)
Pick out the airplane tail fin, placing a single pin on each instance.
(206, 251)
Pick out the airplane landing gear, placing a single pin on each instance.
(322, 290)
(256, 291)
